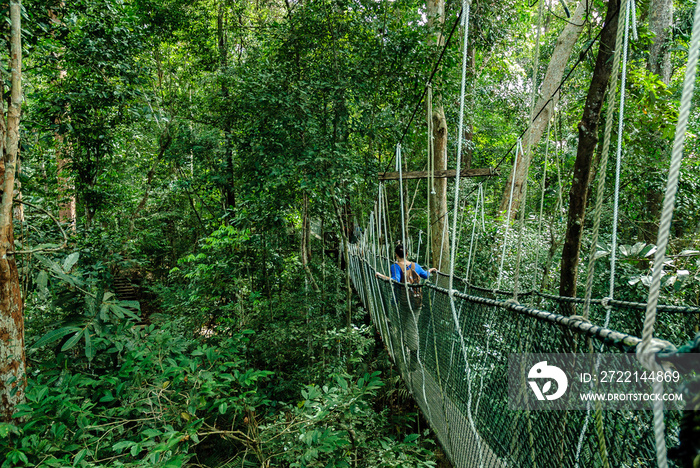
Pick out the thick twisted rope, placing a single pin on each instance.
(621, 32)
(665, 228)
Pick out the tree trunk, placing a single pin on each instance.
(660, 23)
(165, 141)
(66, 190)
(438, 201)
(306, 242)
(588, 139)
(468, 132)
(555, 71)
(659, 63)
(229, 190)
(12, 358)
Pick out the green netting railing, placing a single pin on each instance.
(466, 400)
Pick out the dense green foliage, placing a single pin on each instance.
(217, 152)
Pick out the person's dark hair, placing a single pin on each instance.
(399, 251)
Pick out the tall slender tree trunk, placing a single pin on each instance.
(587, 141)
(12, 358)
(66, 189)
(659, 63)
(229, 189)
(468, 132)
(555, 71)
(306, 241)
(660, 24)
(438, 200)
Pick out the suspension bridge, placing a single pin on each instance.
(452, 347)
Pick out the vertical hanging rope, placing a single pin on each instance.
(539, 226)
(528, 157)
(518, 150)
(621, 32)
(399, 165)
(431, 148)
(387, 226)
(618, 165)
(458, 328)
(444, 236)
(430, 187)
(479, 197)
(645, 352)
(560, 199)
(602, 169)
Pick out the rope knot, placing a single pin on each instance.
(605, 302)
(512, 301)
(580, 318)
(647, 355)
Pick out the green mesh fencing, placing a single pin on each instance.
(457, 372)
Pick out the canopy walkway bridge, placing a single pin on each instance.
(452, 344)
(459, 374)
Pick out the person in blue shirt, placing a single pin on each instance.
(409, 302)
(401, 266)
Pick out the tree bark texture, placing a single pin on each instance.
(12, 358)
(659, 63)
(587, 141)
(438, 201)
(660, 23)
(555, 71)
(66, 190)
(440, 241)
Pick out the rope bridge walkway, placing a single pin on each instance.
(455, 364)
(452, 348)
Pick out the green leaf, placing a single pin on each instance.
(121, 312)
(131, 304)
(7, 428)
(175, 462)
(42, 280)
(70, 261)
(119, 446)
(79, 456)
(223, 407)
(71, 342)
(150, 433)
(42, 393)
(89, 350)
(54, 335)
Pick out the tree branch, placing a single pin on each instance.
(42, 249)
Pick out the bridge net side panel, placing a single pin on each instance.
(466, 402)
